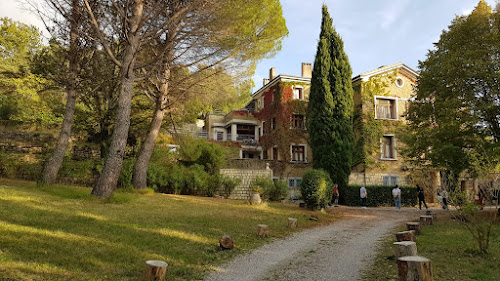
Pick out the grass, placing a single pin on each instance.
(63, 233)
(452, 251)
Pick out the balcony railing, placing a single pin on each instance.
(245, 138)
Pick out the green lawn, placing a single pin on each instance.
(452, 252)
(62, 233)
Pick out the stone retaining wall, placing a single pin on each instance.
(376, 179)
(243, 190)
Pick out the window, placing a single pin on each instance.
(388, 147)
(264, 131)
(273, 123)
(399, 82)
(264, 154)
(298, 121)
(294, 182)
(298, 153)
(385, 108)
(390, 180)
(220, 136)
(275, 153)
(298, 94)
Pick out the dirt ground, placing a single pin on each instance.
(339, 251)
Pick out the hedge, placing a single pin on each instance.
(379, 195)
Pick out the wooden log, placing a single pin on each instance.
(292, 223)
(431, 213)
(313, 218)
(414, 226)
(262, 230)
(226, 242)
(426, 220)
(405, 248)
(414, 268)
(406, 236)
(155, 270)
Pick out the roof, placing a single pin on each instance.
(279, 78)
(385, 68)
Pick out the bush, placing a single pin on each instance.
(196, 180)
(214, 184)
(199, 151)
(316, 189)
(228, 185)
(79, 172)
(269, 189)
(125, 179)
(379, 195)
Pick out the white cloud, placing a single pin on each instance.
(392, 12)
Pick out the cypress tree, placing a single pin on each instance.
(330, 120)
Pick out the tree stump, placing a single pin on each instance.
(430, 213)
(226, 242)
(426, 220)
(262, 230)
(155, 270)
(414, 226)
(414, 268)
(292, 223)
(406, 236)
(313, 218)
(405, 248)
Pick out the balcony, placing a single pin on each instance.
(245, 138)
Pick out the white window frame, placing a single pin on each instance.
(305, 152)
(301, 90)
(294, 181)
(395, 99)
(396, 82)
(394, 151)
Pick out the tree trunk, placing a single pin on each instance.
(155, 270)
(292, 223)
(413, 226)
(106, 184)
(426, 220)
(406, 236)
(405, 248)
(262, 230)
(141, 165)
(52, 166)
(414, 268)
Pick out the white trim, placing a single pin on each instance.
(305, 152)
(394, 151)
(303, 94)
(241, 121)
(284, 78)
(395, 99)
(367, 75)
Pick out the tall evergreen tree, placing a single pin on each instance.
(331, 106)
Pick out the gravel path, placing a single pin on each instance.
(339, 251)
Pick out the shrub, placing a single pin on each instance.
(199, 151)
(263, 186)
(79, 172)
(379, 195)
(280, 191)
(214, 184)
(316, 189)
(228, 185)
(196, 180)
(125, 179)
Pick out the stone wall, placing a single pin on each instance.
(376, 179)
(243, 190)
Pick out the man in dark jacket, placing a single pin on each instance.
(421, 197)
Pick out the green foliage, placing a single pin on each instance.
(199, 151)
(330, 119)
(453, 121)
(125, 179)
(316, 189)
(81, 172)
(228, 185)
(272, 190)
(12, 166)
(379, 195)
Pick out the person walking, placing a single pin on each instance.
(396, 194)
(336, 195)
(421, 197)
(363, 195)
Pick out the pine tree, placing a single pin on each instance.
(330, 120)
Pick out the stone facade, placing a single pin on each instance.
(244, 189)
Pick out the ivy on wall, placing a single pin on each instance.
(369, 130)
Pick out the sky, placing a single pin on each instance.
(375, 33)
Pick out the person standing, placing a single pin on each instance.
(444, 195)
(396, 194)
(421, 197)
(336, 195)
(363, 195)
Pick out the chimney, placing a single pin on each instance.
(266, 80)
(272, 73)
(306, 70)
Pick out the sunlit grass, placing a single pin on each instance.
(452, 252)
(63, 233)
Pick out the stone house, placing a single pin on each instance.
(272, 127)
